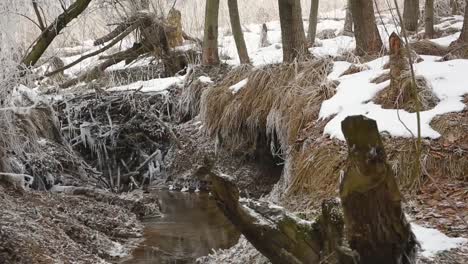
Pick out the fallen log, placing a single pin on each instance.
(376, 226)
(282, 237)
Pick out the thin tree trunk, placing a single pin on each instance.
(210, 40)
(454, 6)
(38, 15)
(464, 33)
(348, 26)
(264, 37)
(49, 34)
(237, 32)
(377, 228)
(313, 17)
(429, 18)
(292, 29)
(368, 41)
(411, 15)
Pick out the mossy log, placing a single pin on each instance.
(278, 235)
(377, 228)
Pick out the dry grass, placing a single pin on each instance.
(272, 107)
(403, 98)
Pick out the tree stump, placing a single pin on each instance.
(376, 225)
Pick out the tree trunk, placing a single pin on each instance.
(210, 39)
(292, 30)
(348, 26)
(313, 17)
(429, 18)
(454, 6)
(264, 37)
(464, 33)
(278, 235)
(38, 15)
(49, 34)
(237, 32)
(368, 41)
(411, 15)
(376, 225)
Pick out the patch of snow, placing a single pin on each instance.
(355, 92)
(155, 85)
(205, 79)
(335, 46)
(447, 40)
(238, 86)
(185, 189)
(433, 241)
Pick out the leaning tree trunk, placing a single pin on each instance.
(429, 18)
(368, 41)
(237, 32)
(292, 30)
(313, 21)
(348, 25)
(49, 34)
(377, 228)
(411, 15)
(210, 40)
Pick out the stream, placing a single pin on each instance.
(191, 226)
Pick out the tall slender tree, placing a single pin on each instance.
(411, 15)
(429, 18)
(368, 41)
(292, 29)
(313, 18)
(210, 54)
(237, 32)
(348, 25)
(464, 33)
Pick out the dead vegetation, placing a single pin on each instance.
(122, 134)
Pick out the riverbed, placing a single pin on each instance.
(191, 227)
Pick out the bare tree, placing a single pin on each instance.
(368, 41)
(429, 19)
(237, 32)
(348, 25)
(313, 17)
(210, 39)
(49, 34)
(292, 29)
(464, 33)
(411, 15)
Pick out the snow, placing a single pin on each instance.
(238, 86)
(155, 85)
(445, 41)
(447, 80)
(433, 241)
(117, 250)
(205, 79)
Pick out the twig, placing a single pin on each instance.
(171, 132)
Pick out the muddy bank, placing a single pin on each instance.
(43, 227)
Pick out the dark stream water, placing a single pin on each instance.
(191, 227)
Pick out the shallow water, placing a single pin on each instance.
(191, 227)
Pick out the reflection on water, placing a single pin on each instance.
(191, 227)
